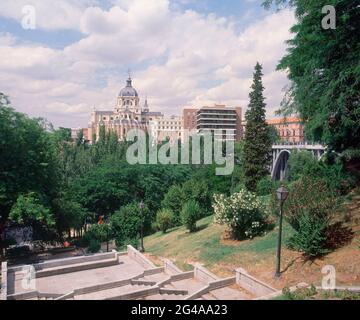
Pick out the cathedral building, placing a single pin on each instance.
(127, 114)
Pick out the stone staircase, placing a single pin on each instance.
(131, 276)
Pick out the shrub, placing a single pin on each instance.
(126, 223)
(309, 210)
(100, 233)
(190, 213)
(311, 236)
(173, 201)
(94, 246)
(310, 196)
(164, 219)
(242, 212)
(266, 186)
(121, 243)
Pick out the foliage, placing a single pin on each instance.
(311, 236)
(323, 66)
(94, 246)
(309, 196)
(28, 159)
(242, 212)
(190, 213)
(126, 223)
(100, 233)
(198, 191)
(173, 201)
(257, 147)
(299, 294)
(332, 173)
(309, 209)
(266, 186)
(164, 219)
(69, 214)
(301, 163)
(29, 209)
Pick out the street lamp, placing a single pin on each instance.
(282, 194)
(107, 223)
(142, 206)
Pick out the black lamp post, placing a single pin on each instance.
(142, 206)
(107, 222)
(282, 194)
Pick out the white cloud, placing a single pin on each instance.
(181, 58)
(50, 15)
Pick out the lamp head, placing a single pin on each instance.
(282, 194)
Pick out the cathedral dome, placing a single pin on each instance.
(128, 91)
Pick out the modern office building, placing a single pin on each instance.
(219, 119)
(166, 129)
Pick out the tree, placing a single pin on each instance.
(257, 147)
(126, 223)
(164, 219)
(173, 201)
(29, 210)
(323, 66)
(28, 158)
(190, 213)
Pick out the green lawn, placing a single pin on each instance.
(205, 246)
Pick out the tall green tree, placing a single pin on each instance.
(28, 158)
(257, 146)
(324, 67)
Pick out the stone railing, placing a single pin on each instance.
(251, 284)
(139, 257)
(204, 275)
(4, 273)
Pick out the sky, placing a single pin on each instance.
(76, 56)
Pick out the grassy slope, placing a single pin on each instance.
(206, 246)
(257, 256)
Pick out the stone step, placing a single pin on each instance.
(76, 267)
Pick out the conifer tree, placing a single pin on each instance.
(257, 147)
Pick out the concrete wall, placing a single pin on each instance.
(68, 261)
(76, 268)
(251, 284)
(213, 285)
(4, 271)
(170, 267)
(140, 258)
(204, 275)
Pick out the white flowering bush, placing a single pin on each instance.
(242, 212)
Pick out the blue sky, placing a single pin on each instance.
(181, 52)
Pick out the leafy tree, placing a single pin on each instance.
(29, 209)
(126, 223)
(69, 215)
(257, 147)
(190, 213)
(323, 66)
(301, 163)
(173, 201)
(164, 219)
(198, 191)
(28, 158)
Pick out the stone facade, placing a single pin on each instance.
(127, 114)
(289, 129)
